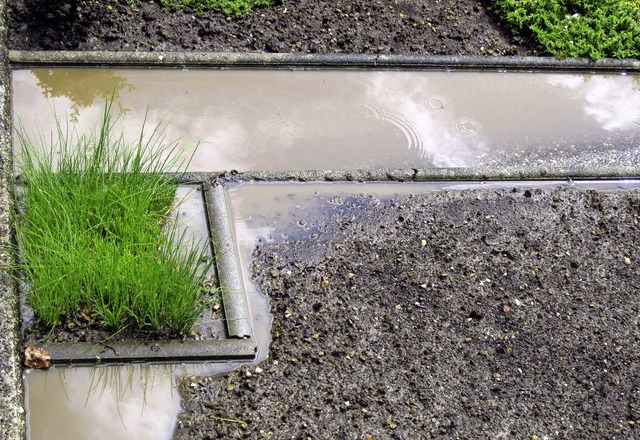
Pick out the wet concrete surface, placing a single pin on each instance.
(282, 213)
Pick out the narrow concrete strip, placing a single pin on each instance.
(527, 173)
(288, 60)
(151, 351)
(419, 175)
(234, 300)
(12, 414)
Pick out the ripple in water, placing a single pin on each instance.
(279, 128)
(274, 133)
(408, 129)
(436, 103)
(632, 116)
(468, 126)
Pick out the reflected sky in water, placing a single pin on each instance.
(613, 105)
(103, 403)
(288, 120)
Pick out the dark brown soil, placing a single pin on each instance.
(451, 27)
(471, 314)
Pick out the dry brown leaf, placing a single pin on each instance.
(37, 358)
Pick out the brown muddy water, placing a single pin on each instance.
(131, 402)
(297, 120)
(251, 120)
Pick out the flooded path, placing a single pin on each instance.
(250, 120)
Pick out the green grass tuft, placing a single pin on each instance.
(577, 28)
(231, 8)
(95, 233)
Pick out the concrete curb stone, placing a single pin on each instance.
(12, 413)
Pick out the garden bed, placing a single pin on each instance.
(448, 27)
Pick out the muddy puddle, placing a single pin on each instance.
(327, 119)
(105, 403)
(285, 212)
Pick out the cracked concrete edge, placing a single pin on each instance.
(12, 413)
(417, 175)
(234, 298)
(293, 60)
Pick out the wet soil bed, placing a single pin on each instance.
(86, 326)
(450, 27)
(457, 314)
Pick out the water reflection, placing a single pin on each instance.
(190, 217)
(433, 128)
(611, 104)
(284, 120)
(82, 87)
(102, 403)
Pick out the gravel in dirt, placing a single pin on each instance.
(456, 314)
(451, 27)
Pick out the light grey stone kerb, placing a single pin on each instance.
(234, 299)
(12, 414)
(301, 60)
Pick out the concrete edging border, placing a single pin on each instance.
(12, 412)
(417, 175)
(152, 351)
(234, 301)
(296, 60)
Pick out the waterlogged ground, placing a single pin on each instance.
(457, 314)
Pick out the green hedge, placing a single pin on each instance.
(577, 28)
